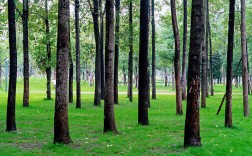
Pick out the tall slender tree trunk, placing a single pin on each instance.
(244, 59)
(166, 78)
(77, 46)
(11, 103)
(192, 123)
(48, 50)
(204, 60)
(95, 14)
(153, 75)
(183, 79)
(61, 128)
(143, 64)
(26, 54)
(109, 117)
(207, 36)
(102, 50)
(70, 77)
(117, 43)
(228, 110)
(179, 110)
(130, 75)
(211, 59)
(172, 76)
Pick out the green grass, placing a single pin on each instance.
(164, 135)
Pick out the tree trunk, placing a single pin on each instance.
(26, 54)
(192, 124)
(109, 117)
(11, 104)
(95, 14)
(143, 64)
(130, 77)
(102, 49)
(166, 78)
(183, 80)
(77, 46)
(228, 110)
(153, 75)
(206, 39)
(117, 43)
(173, 77)
(48, 50)
(204, 60)
(179, 110)
(244, 59)
(211, 59)
(70, 83)
(61, 128)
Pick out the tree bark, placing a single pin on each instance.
(228, 110)
(61, 128)
(183, 79)
(26, 53)
(179, 110)
(166, 78)
(153, 75)
(130, 75)
(70, 83)
(48, 50)
(117, 43)
(95, 14)
(102, 50)
(192, 123)
(143, 64)
(11, 103)
(211, 59)
(244, 59)
(77, 46)
(204, 60)
(109, 117)
(207, 44)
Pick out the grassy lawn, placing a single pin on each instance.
(164, 135)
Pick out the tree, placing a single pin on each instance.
(183, 79)
(153, 75)
(176, 59)
(143, 82)
(61, 128)
(244, 59)
(95, 14)
(70, 77)
(204, 59)
(26, 53)
(192, 124)
(117, 43)
(130, 69)
(11, 103)
(102, 48)
(109, 117)
(77, 46)
(48, 50)
(228, 110)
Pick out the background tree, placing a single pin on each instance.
(117, 43)
(183, 79)
(71, 70)
(11, 103)
(192, 124)
(143, 100)
(176, 59)
(153, 75)
(244, 59)
(61, 128)
(77, 46)
(130, 68)
(109, 117)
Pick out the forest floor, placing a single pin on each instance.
(164, 135)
